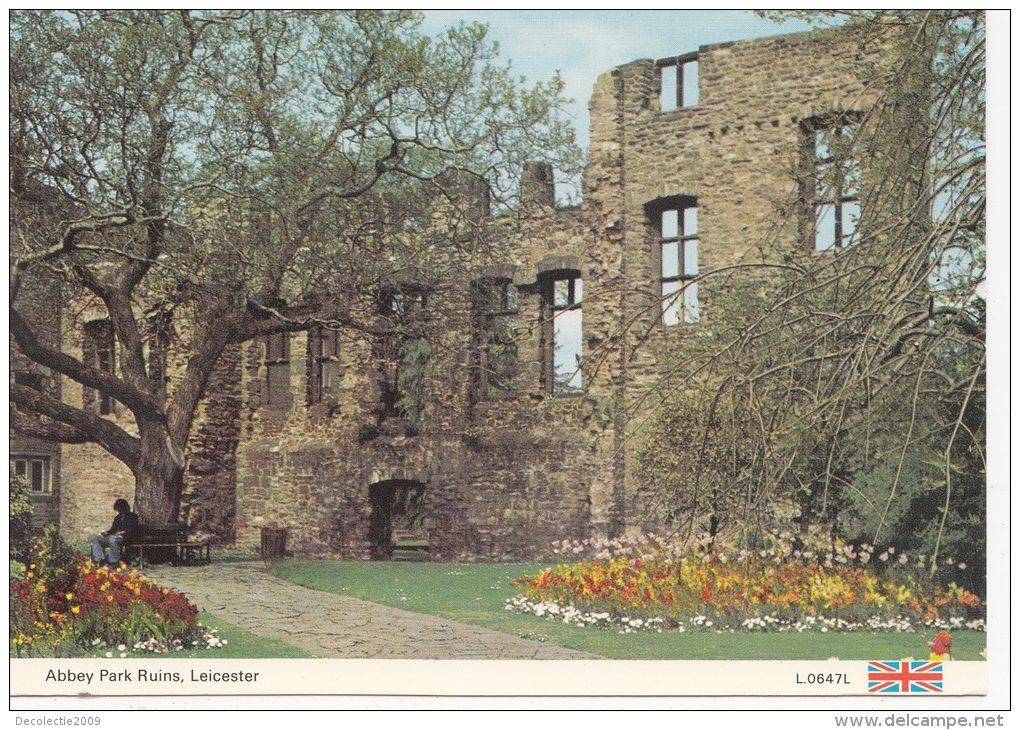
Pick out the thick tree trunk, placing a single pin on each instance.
(159, 478)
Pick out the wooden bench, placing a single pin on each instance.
(163, 540)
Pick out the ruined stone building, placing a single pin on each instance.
(531, 387)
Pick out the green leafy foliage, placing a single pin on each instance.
(251, 173)
(20, 517)
(414, 357)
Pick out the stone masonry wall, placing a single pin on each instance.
(737, 153)
(506, 476)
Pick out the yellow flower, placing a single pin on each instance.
(69, 596)
(41, 588)
(75, 610)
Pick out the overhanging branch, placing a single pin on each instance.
(47, 431)
(139, 403)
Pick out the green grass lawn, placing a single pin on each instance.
(242, 644)
(476, 594)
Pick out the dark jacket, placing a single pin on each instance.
(126, 522)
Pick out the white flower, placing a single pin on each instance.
(109, 655)
(902, 558)
(121, 647)
(962, 566)
(883, 557)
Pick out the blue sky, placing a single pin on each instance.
(581, 44)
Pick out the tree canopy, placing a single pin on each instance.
(238, 170)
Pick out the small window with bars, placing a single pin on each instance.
(496, 339)
(324, 368)
(36, 469)
(100, 353)
(278, 369)
(834, 186)
(678, 246)
(562, 333)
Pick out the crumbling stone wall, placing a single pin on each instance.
(210, 483)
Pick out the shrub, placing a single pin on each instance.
(21, 517)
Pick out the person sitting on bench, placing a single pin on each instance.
(123, 529)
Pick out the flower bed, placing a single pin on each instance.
(651, 585)
(64, 605)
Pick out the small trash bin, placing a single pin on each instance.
(274, 542)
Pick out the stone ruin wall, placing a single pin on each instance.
(737, 153)
(506, 477)
(503, 477)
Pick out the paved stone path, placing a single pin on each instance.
(332, 625)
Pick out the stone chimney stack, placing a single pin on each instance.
(468, 192)
(537, 184)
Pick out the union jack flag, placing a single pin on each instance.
(904, 676)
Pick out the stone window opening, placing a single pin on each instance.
(678, 82)
(324, 364)
(277, 363)
(496, 333)
(402, 355)
(400, 305)
(679, 241)
(832, 189)
(100, 353)
(36, 469)
(562, 293)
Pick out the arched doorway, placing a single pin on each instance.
(397, 525)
